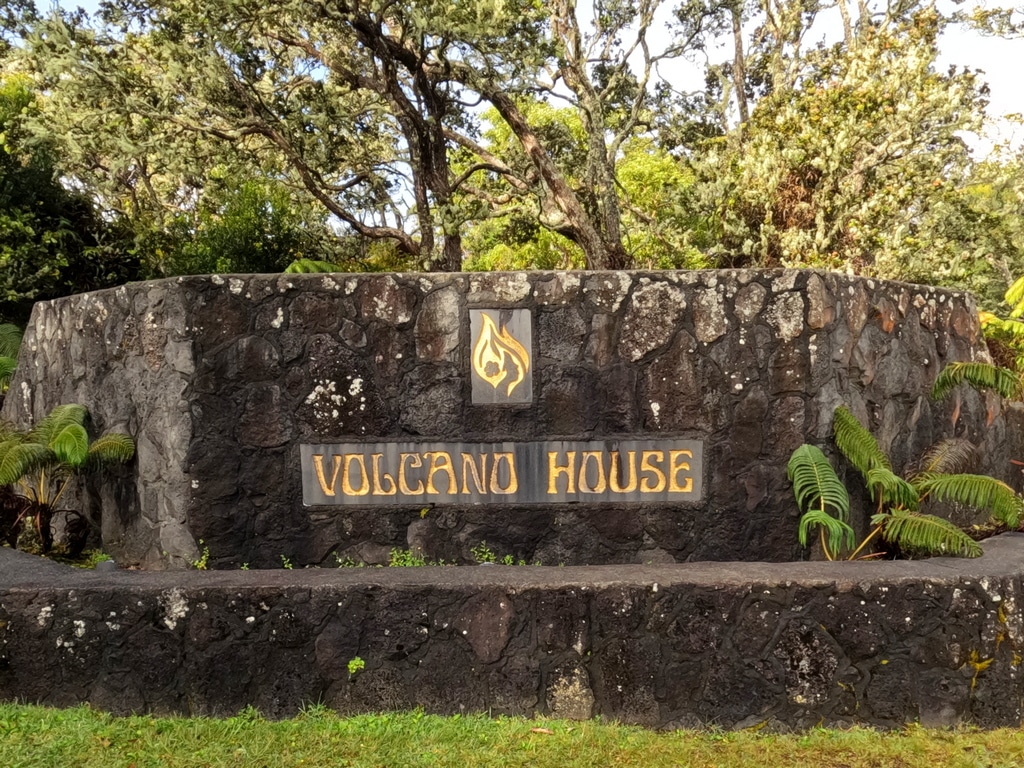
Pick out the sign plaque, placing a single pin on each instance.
(501, 356)
(608, 471)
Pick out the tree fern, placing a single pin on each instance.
(890, 489)
(953, 454)
(1002, 381)
(914, 531)
(1015, 297)
(857, 444)
(818, 490)
(815, 483)
(7, 366)
(976, 491)
(111, 448)
(10, 340)
(57, 420)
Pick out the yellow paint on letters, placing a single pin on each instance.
(513, 481)
(647, 485)
(613, 475)
(675, 466)
(584, 484)
(554, 471)
(469, 469)
(318, 465)
(346, 476)
(441, 461)
(403, 486)
(378, 479)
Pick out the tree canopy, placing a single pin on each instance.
(235, 134)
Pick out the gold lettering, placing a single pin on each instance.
(378, 485)
(403, 486)
(469, 468)
(675, 467)
(318, 465)
(513, 481)
(346, 476)
(615, 473)
(646, 486)
(569, 470)
(601, 484)
(441, 461)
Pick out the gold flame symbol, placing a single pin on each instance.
(494, 350)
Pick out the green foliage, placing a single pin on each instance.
(406, 558)
(202, 562)
(1003, 381)
(824, 503)
(818, 490)
(52, 241)
(10, 341)
(356, 665)
(916, 532)
(41, 463)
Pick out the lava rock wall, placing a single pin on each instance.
(221, 378)
(733, 645)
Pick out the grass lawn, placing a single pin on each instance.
(80, 738)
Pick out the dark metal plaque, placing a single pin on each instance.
(391, 474)
(501, 356)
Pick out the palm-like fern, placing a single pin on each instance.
(817, 490)
(312, 266)
(1002, 381)
(10, 341)
(897, 518)
(914, 531)
(43, 461)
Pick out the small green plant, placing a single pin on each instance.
(243, 567)
(202, 563)
(286, 562)
(356, 665)
(898, 520)
(406, 558)
(482, 553)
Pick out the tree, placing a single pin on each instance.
(52, 242)
(852, 160)
(360, 105)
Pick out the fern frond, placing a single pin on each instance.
(815, 483)
(953, 454)
(46, 431)
(926, 533)
(857, 444)
(892, 489)
(311, 266)
(7, 366)
(839, 533)
(1015, 297)
(10, 340)
(976, 491)
(18, 457)
(71, 445)
(1001, 380)
(111, 448)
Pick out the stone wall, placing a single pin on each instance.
(722, 644)
(221, 378)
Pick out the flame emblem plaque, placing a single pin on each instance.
(501, 366)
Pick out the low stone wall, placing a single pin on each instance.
(221, 379)
(724, 644)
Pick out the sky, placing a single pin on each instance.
(1001, 62)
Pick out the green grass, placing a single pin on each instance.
(37, 736)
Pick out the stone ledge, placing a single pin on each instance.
(729, 644)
